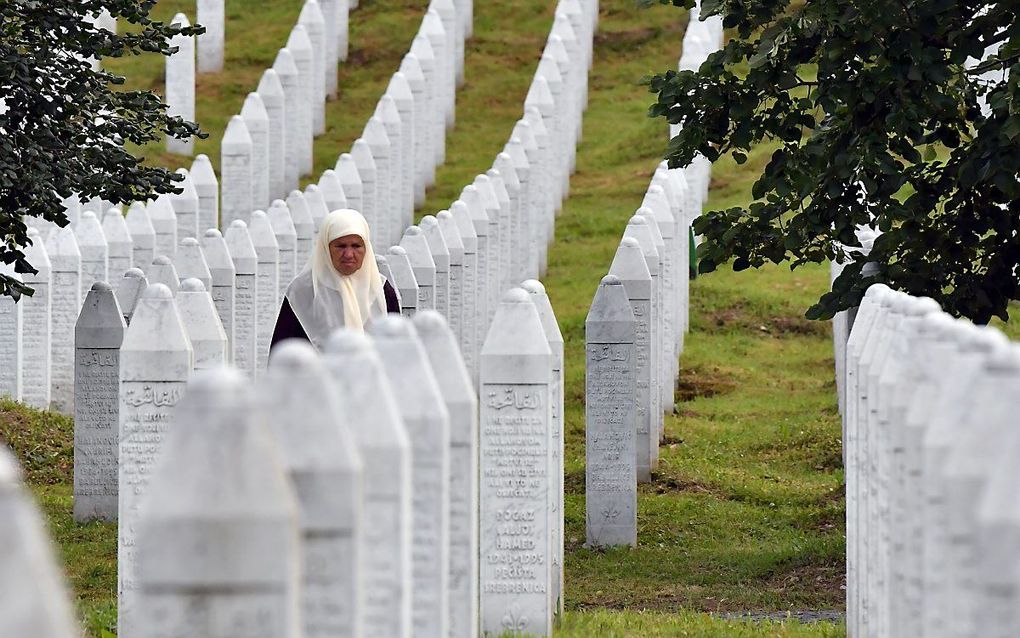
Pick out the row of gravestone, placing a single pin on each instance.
(343, 501)
(634, 335)
(932, 525)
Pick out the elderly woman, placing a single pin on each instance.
(340, 287)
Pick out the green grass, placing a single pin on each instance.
(745, 512)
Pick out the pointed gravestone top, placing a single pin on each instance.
(284, 65)
(187, 199)
(202, 173)
(156, 329)
(471, 196)
(411, 67)
(163, 272)
(332, 191)
(129, 288)
(540, 96)
(115, 228)
(269, 85)
(417, 248)
(62, 247)
(387, 110)
(298, 42)
(422, 48)
(190, 262)
(217, 257)
(545, 310)
(375, 133)
(236, 140)
(89, 232)
(652, 224)
(161, 208)
(429, 227)
(254, 109)
(100, 322)
(504, 167)
(317, 207)
(261, 231)
(629, 262)
(403, 275)
(498, 183)
(138, 221)
(451, 232)
(610, 318)
(462, 216)
(517, 331)
(515, 149)
(361, 153)
(487, 195)
(202, 323)
(398, 344)
(399, 87)
(639, 228)
(300, 212)
(347, 172)
(280, 219)
(35, 254)
(242, 250)
(444, 353)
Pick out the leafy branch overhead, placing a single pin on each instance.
(902, 115)
(63, 124)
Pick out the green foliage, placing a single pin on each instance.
(875, 113)
(63, 125)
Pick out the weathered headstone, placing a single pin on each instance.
(369, 174)
(163, 271)
(305, 226)
(503, 221)
(385, 450)
(424, 266)
(318, 209)
(129, 288)
(348, 172)
(12, 328)
(118, 243)
(164, 224)
(330, 44)
(411, 68)
(405, 282)
(209, 14)
(399, 90)
(286, 241)
(381, 146)
(461, 402)
(447, 12)
(342, 33)
(97, 339)
(488, 203)
(190, 262)
(155, 363)
(236, 183)
(311, 429)
(428, 426)
(434, 34)
(223, 274)
(143, 235)
(610, 418)
(300, 46)
(245, 258)
(451, 237)
(333, 195)
(645, 231)
(312, 19)
(289, 76)
(218, 546)
(515, 457)
(65, 260)
(256, 119)
(205, 333)
(180, 85)
(268, 302)
(429, 226)
(512, 187)
(470, 341)
(186, 205)
(399, 214)
(551, 327)
(33, 598)
(271, 91)
(434, 114)
(92, 245)
(480, 219)
(36, 315)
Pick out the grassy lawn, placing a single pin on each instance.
(745, 512)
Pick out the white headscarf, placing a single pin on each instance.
(322, 299)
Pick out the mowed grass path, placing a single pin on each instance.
(745, 512)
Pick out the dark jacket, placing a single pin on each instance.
(288, 326)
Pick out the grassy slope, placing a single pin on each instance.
(745, 512)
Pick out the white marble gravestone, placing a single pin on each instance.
(246, 269)
(300, 47)
(461, 402)
(329, 9)
(310, 425)
(433, 119)
(155, 363)
(164, 224)
(644, 231)
(349, 174)
(12, 327)
(118, 243)
(268, 289)
(503, 222)
(312, 19)
(405, 283)
(480, 219)
(630, 267)
(163, 271)
(429, 226)
(236, 174)
(342, 27)
(205, 333)
(424, 266)
(494, 263)
(143, 235)
(33, 598)
(332, 191)
(317, 207)
(432, 30)
(289, 76)
(256, 119)
(94, 252)
(385, 450)
(382, 221)
(65, 260)
(551, 327)
(98, 335)
(223, 274)
(36, 316)
(610, 418)
(515, 459)
(399, 90)
(222, 536)
(305, 226)
(369, 175)
(398, 215)
(129, 288)
(470, 337)
(428, 426)
(72, 210)
(209, 14)
(503, 166)
(185, 205)
(190, 262)
(271, 91)
(447, 12)
(411, 69)
(451, 237)
(180, 85)
(286, 241)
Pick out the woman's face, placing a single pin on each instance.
(347, 253)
